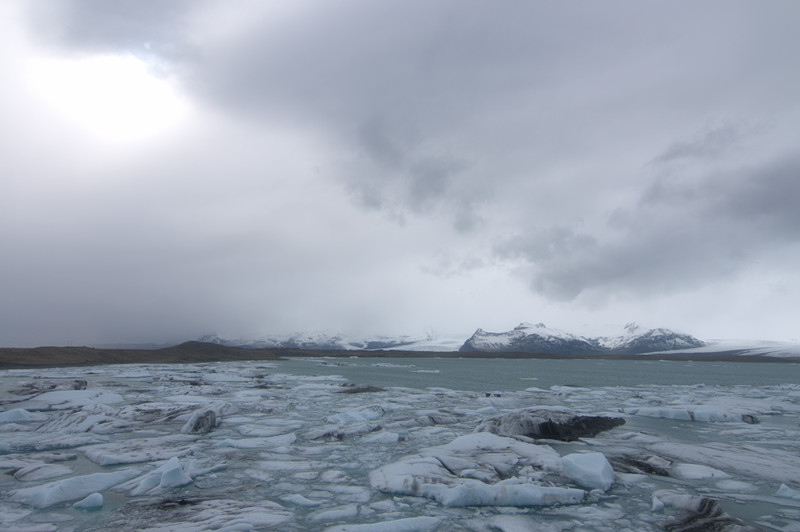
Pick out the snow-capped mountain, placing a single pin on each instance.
(639, 340)
(317, 341)
(539, 338)
(529, 338)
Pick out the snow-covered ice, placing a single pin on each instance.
(252, 446)
(589, 470)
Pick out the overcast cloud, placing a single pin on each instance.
(171, 169)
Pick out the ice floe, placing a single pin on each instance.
(41, 471)
(409, 524)
(140, 449)
(20, 415)
(479, 469)
(241, 446)
(63, 399)
(172, 474)
(71, 488)
(696, 472)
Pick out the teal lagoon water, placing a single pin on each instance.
(519, 374)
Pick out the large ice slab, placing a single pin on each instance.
(26, 442)
(41, 471)
(693, 413)
(476, 470)
(409, 524)
(198, 514)
(750, 460)
(140, 449)
(63, 399)
(71, 489)
(98, 419)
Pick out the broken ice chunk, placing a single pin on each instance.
(589, 470)
(91, 502)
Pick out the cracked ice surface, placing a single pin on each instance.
(284, 448)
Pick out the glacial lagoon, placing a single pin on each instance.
(387, 444)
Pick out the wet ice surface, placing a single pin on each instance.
(253, 446)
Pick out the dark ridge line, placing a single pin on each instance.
(198, 352)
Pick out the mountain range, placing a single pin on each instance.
(528, 338)
(525, 338)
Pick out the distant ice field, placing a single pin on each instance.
(390, 444)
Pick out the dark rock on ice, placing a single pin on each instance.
(751, 419)
(361, 389)
(174, 502)
(339, 432)
(699, 514)
(33, 388)
(438, 419)
(547, 424)
(641, 464)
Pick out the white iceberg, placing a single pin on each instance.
(589, 470)
(169, 475)
(787, 493)
(91, 502)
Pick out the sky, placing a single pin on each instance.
(252, 168)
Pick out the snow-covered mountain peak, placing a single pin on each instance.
(539, 338)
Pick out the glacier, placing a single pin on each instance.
(369, 446)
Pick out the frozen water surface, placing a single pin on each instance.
(370, 445)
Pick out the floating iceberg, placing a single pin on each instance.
(479, 469)
(72, 488)
(589, 470)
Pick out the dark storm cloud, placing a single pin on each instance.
(602, 148)
(416, 93)
(676, 239)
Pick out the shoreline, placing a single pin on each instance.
(198, 352)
